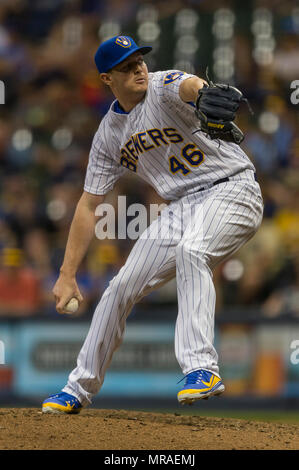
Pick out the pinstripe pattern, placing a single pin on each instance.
(225, 217)
(196, 231)
(224, 222)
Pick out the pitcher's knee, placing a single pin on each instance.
(189, 252)
(123, 287)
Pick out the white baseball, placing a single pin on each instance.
(72, 305)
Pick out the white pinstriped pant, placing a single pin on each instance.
(192, 235)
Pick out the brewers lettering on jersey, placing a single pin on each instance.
(151, 130)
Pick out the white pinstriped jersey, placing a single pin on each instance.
(158, 141)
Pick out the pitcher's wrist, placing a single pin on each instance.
(66, 271)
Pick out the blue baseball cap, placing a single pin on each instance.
(115, 50)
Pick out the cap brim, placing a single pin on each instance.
(143, 50)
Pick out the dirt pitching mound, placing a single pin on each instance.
(29, 429)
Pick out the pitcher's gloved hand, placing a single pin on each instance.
(216, 108)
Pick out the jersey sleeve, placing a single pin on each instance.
(102, 170)
(168, 84)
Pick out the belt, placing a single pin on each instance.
(224, 180)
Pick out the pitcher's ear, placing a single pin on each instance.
(106, 78)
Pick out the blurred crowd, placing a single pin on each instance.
(54, 103)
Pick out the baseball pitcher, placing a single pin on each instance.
(176, 131)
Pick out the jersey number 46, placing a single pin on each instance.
(191, 154)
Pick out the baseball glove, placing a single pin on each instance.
(216, 108)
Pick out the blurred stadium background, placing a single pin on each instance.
(53, 105)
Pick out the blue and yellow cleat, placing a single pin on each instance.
(62, 403)
(200, 384)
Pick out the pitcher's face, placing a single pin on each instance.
(130, 76)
